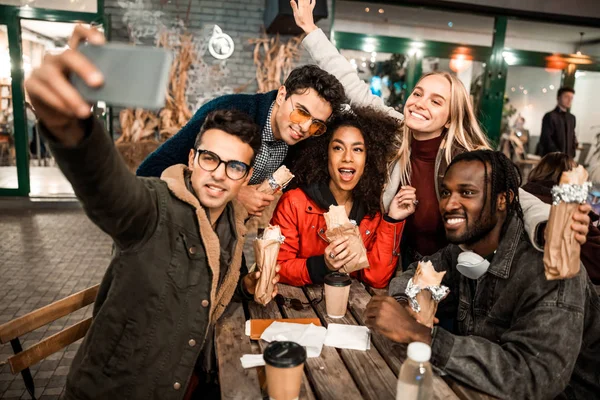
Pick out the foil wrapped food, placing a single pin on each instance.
(562, 251)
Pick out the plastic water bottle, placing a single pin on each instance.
(416, 378)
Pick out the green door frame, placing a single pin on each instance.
(494, 57)
(11, 16)
(494, 84)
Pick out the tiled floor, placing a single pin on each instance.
(45, 255)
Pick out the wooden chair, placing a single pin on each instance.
(23, 359)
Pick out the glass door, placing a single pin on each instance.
(39, 38)
(8, 154)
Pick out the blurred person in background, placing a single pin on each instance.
(558, 127)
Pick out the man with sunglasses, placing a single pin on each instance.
(295, 112)
(177, 258)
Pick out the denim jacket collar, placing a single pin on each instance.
(507, 248)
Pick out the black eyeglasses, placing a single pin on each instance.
(209, 161)
(296, 304)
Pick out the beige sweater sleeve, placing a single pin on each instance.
(535, 213)
(324, 53)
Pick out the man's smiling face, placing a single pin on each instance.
(307, 100)
(464, 203)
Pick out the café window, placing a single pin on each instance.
(87, 6)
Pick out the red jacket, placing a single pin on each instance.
(303, 225)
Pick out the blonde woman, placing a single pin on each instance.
(438, 123)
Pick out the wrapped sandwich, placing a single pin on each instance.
(266, 250)
(338, 225)
(276, 182)
(425, 291)
(562, 250)
(272, 185)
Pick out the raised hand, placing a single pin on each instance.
(58, 105)
(404, 203)
(303, 14)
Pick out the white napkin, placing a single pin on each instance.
(252, 360)
(309, 336)
(348, 337)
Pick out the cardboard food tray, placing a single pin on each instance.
(258, 326)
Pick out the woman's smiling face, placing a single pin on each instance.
(427, 110)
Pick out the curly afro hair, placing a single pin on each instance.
(380, 132)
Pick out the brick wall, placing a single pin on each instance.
(241, 19)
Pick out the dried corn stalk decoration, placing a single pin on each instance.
(176, 111)
(274, 60)
(192, 81)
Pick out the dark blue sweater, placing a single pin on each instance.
(176, 149)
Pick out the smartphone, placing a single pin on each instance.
(134, 76)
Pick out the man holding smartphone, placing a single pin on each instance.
(295, 112)
(177, 261)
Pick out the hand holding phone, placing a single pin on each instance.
(134, 76)
(63, 87)
(58, 105)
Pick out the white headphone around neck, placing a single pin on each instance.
(472, 265)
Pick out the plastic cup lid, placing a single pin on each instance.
(338, 279)
(284, 354)
(419, 352)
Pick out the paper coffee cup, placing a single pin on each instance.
(284, 363)
(337, 291)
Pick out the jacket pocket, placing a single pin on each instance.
(187, 262)
(123, 351)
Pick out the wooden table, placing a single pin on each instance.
(337, 373)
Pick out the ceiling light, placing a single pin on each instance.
(367, 9)
(381, 11)
(512, 89)
(509, 57)
(544, 90)
(450, 24)
(580, 43)
(551, 87)
(525, 91)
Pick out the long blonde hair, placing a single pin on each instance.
(464, 130)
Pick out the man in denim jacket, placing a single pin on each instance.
(516, 335)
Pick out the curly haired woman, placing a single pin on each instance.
(347, 166)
